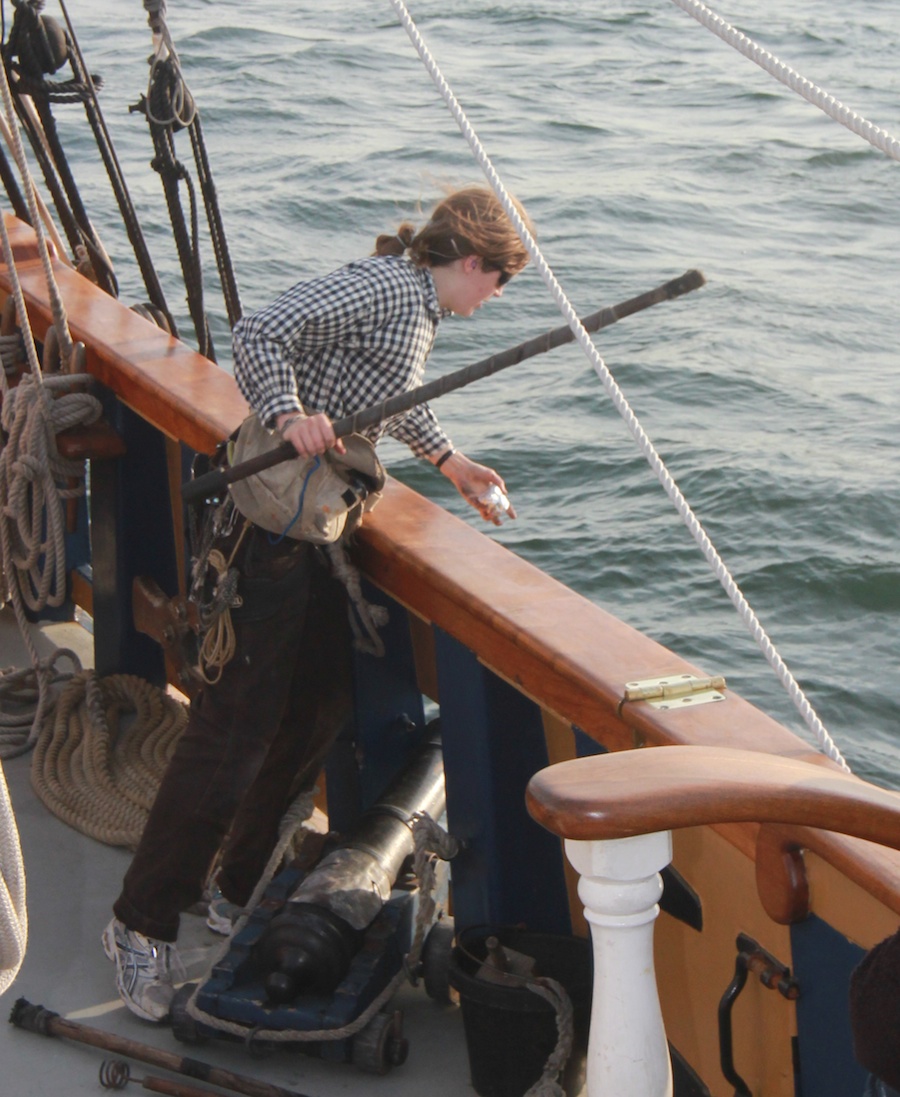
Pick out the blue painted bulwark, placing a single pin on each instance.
(510, 871)
(389, 721)
(823, 960)
(132, 534)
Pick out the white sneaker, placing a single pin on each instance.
(221, 914)
(143, 970)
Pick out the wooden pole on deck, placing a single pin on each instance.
(47, 1023)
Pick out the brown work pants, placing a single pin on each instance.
(253, 741)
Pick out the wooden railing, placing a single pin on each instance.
(616, 812)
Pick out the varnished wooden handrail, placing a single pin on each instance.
(645, 791)
(176, 389)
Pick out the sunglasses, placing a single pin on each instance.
(505, 275)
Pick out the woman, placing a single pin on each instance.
(355, 337)
(259, 734)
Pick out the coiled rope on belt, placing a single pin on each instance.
(98, 762)
(620, 403)
(216, 626)
(792, 79)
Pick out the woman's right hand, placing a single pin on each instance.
(308, 434)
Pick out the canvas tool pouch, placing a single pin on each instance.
(317, 499)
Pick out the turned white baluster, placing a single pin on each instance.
(620, 887)
(616, 812)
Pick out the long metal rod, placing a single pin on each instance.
(212, 483)
(47, 1023)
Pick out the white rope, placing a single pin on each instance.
(46, 218)
(13, 912)
(33, 484)
(834, 108)
(619, 402)
(24, 695)
(34, 479)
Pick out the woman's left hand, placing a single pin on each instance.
(472, 480)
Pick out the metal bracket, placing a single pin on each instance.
(751, 958)
(676, 691)
(172, 623)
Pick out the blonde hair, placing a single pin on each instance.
(469, 221)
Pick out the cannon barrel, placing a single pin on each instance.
(309, 945)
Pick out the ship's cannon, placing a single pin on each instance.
(309, 945)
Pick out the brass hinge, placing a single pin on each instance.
(676, 690)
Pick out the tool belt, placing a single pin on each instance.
(317, 499)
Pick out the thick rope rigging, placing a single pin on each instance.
(37, 47)
(619, 401)
(34, 480)
(116, 175)
(31, 545)
(168, 107)
(834, 108)
(18, 202)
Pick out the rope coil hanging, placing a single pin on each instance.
(620, 403)
(33, 476)
(32, 480)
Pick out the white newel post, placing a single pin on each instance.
(620, 887)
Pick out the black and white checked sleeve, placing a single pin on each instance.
(342, 343)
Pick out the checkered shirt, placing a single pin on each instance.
(342, 343)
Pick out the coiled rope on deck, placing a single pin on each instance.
(98, 762)
(799, 699)
(20, 690)
(792, 79)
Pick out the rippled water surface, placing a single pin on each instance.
(642, 146)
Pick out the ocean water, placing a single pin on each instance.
(642, 146)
